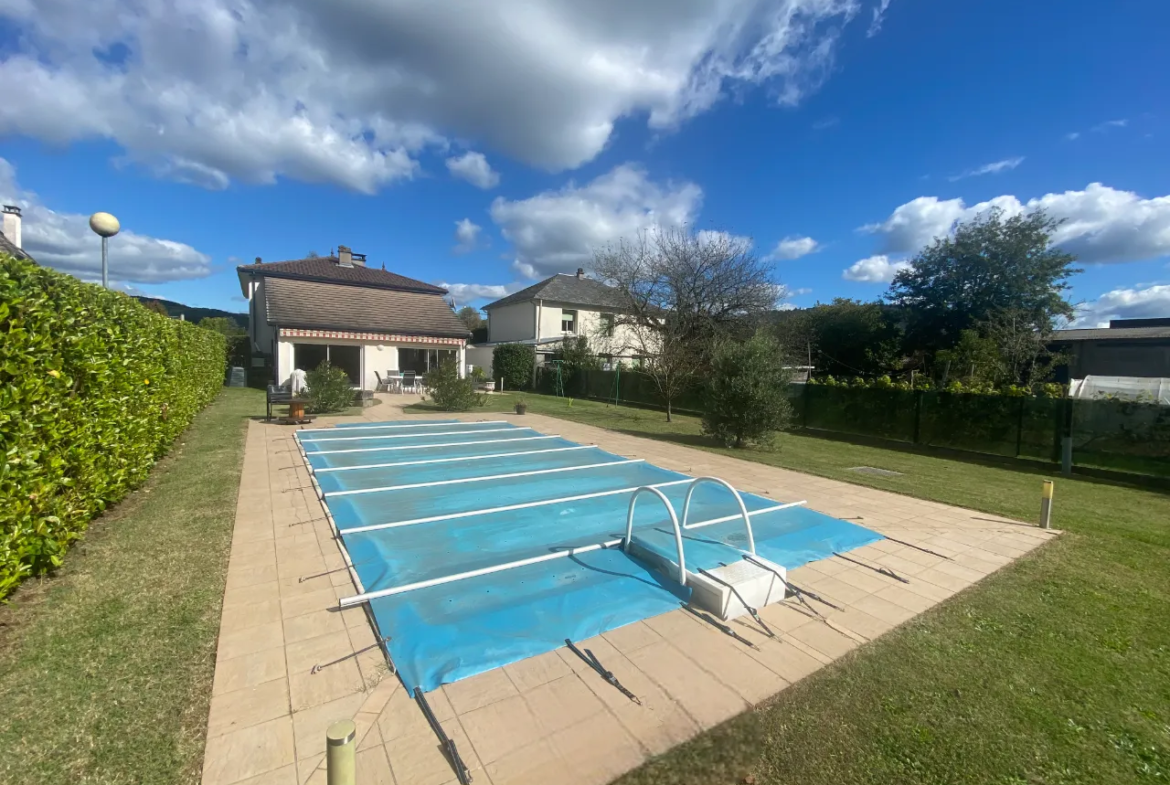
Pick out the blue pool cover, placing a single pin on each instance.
(424, 500)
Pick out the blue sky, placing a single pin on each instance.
(222, 130)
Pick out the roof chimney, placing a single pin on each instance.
(580, 272)
(258, 260)
(344, 256)
(12, 224)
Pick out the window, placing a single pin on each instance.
(607, 322)
(568, 321)
(307, 356)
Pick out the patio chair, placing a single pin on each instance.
(409, 381)
(383, 384)
(276, 395)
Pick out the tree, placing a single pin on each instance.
(678, 292)
(1022, 346)
(842, 338)
(576, 357)
(746, 399)
(229, 328)
(157, 307)
(513, 363)
(974, 359)
(329, 389)
(988, 265)
(470, 317)
(449, 392)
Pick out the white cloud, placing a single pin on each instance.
(800, 292)
(995, 167)
(874, 269)
(879, 14)
(1073, 136)
(1102, 225)
(351, 91)
(65, 241)
(475, 169)
(794, 248)
(557, 231)
(466, 235)
(464, 293)
(1105, 126)
(1136, 303)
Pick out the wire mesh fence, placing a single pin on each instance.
(1105, 433)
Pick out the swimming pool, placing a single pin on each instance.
(478, 544)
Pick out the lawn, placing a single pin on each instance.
(1054, 670)
(106, 667)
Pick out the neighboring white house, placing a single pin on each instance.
(548, 312)
(364, 320)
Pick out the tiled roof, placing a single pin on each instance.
(302, 303)
(326, 269)
(8, 247)
(1112, 334)
(567, 289)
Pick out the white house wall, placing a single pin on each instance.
(514, 322)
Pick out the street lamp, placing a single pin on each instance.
(107, 226)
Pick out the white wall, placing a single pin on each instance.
(621, 344)
(514, 322)
(481, 357)
(260, 330)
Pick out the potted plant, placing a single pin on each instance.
(521, 406)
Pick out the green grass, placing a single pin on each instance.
(1053, 671)
(106, 667)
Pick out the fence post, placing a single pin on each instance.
(1020, 427)
(917, 416)
(1066, 442)
(804, 409)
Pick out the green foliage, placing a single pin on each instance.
(471, 318)
(229, 328)
(94, 387)
(747, 396)
(925, 384)
(329, 389)
(843, 337)
(513, 362)
(989, 265)
(974, 359)
(576, 358)
(449, 392)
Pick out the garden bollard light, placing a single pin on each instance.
(340, 750)
(1046, 506)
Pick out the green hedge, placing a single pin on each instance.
(94, 388)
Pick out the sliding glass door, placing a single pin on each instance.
(307, 356)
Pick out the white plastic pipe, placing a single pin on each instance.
(505, 508)
(430, 446)
(682, 563)
(413, 435)
(457, 460)
(747, 523)
(463, 480)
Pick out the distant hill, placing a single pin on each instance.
(192, 314)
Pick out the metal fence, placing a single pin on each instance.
(1109, 434)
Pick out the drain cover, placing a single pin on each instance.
(877, 472)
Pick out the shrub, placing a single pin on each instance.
(513, 362)
(747, 397)
(94, 387)
(329, 389)
(449, 392)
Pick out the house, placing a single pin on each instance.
(560, 307)
(10, 240)
(1127, 347)
(359, 318)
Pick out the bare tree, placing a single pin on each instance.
(679, 291)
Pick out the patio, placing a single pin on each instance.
(549, 718)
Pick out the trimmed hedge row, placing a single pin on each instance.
(94, 388)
